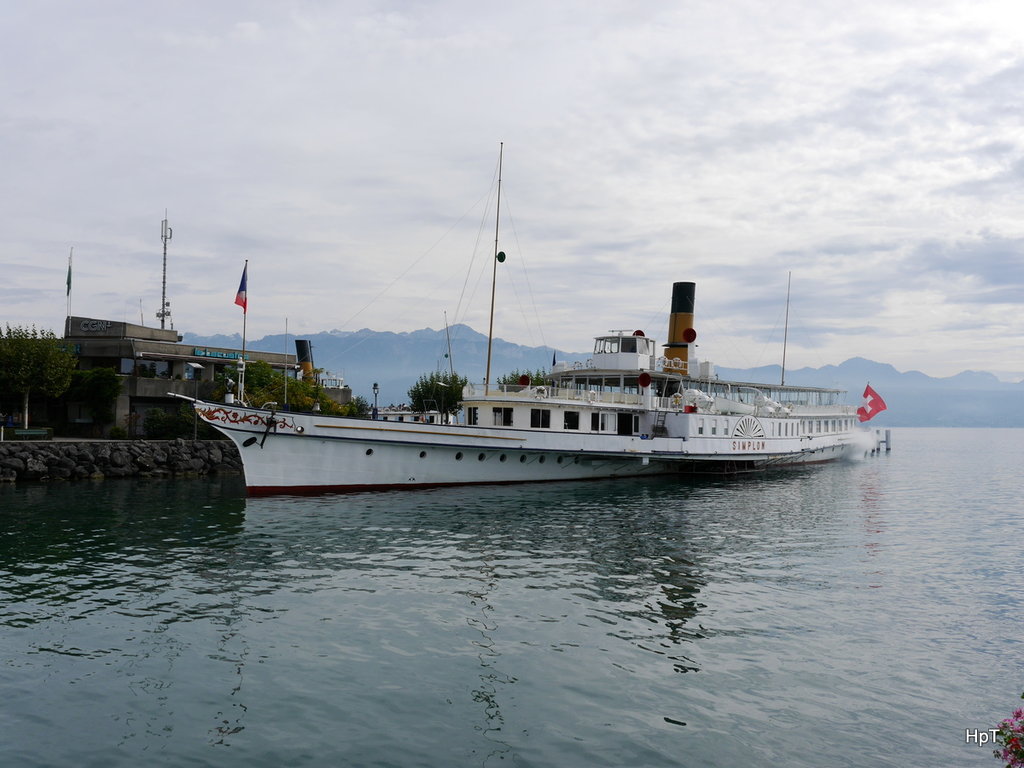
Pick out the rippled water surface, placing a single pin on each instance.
(862, 614)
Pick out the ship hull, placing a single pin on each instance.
(310, 453)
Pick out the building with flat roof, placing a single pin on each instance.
(154, 364)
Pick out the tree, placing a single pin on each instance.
(265, 385)
(165, 425)
(437, 392)
(98, 389)
(537, 378)
(34, 361)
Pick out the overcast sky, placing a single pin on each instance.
(349, 150)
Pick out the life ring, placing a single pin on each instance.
(591, 396)
(677, 400)
(540, 392)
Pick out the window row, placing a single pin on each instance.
(540, 418)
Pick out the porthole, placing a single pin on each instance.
(369, 451)
(481, 457)
(541, 459)
(559, 459)
(423, 454)
(502, 457)
(522, 459)
(458, 456)
(575, 459)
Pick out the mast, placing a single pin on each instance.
(498, 256)
(451, 363)
(785, 332)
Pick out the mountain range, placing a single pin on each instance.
(395, 360)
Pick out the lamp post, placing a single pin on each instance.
(196, 368)
(376, 391)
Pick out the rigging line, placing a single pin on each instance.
(770, 339)
(459, 312)
(657, 320)
(526, 276)
(425, 296)
(416, 261)
(476, 246)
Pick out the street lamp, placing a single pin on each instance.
(376, 390)
(196, 368)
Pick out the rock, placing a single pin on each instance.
(14, 464)
(36, 469)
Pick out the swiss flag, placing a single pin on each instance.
(873, 405)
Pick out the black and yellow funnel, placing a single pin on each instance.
(304, 355)
(680, 329)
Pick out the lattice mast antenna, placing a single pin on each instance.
(165, 308)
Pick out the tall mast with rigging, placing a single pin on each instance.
(498, 257)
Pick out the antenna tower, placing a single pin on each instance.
(165, 306)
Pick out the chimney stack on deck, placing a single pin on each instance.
(680, 329)
(304, 355)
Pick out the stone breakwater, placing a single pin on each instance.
(46, 461)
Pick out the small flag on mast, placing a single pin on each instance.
(873, 405)
(240, 298)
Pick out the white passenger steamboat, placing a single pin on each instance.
(630, 410)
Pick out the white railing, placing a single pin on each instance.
(721, 406)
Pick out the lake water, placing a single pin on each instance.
(858, 614)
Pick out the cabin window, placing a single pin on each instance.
(571, 420)
(714, 426)
(595, 422)
(540, 418)
(502, 417)
(700, 426)
(472, 416)
(627, 345)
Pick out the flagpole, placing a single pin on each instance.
(286, 363)
(70, 257)
(245, 316)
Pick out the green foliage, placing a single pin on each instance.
(537, 378)
(437, 392)
(33, 361)
(359, 406)
(118, 433)
(265, 385)
(98, 390)
(165, 425)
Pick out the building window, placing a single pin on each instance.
(571, 420)
(502, 417)
(472, 416)
(540, 418)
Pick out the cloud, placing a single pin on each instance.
(349, 151)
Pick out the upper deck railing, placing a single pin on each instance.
(722, 398)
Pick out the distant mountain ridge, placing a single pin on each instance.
(396, 360)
